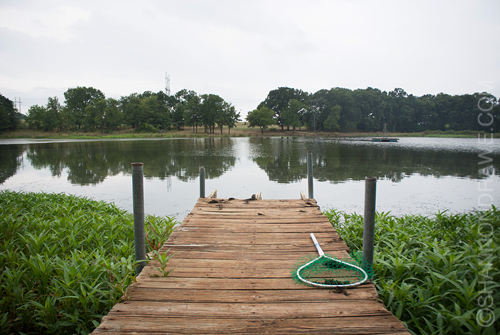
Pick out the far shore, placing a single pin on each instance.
(239, 131)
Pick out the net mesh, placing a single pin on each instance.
(331, 270)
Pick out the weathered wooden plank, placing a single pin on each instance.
(235, 233)
(201, 272)
(238, 220)
(269, 325)
(276, 264)
(250, 296)
(248, 310)
(203, 256)
(221, 283)
(304, 240)
(287, 256)
(232, 262)
(278, 227)
(271, 249)
(255, 203)
(223, 208)
(273, 213)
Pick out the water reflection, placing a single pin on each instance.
(92, 162)
(10, 160)
(283, 159)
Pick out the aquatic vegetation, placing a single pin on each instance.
(65, 261)
(440, 274)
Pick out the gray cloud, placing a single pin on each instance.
(242, 49)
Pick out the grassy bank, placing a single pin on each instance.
(65, 261)
(439, 275)
(241, 130)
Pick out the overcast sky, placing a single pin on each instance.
(241, 49)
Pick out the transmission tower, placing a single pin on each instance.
(167, 83)
(17, 104)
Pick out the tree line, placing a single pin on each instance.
(345, 110)
(87, 109)
(9, 116)
(337, 109)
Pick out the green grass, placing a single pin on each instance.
(65, 261)
(241, 130)
(439, 275)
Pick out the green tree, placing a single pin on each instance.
(95, 114)
(113, 117)
(132, 110)
(278, 101)
(190, 105)
(291, 115)
(332, 121)
(66, 119)
(212, 107)
(231, 117)
(8, 114)
(261, 117)
(162, 118)
(77, 99)
(45, 118)
(181, 103)
(51, 117)
(403, 114)
(227, 116)
(36, 114)
(105, 114)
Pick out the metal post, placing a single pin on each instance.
(369, 219)
(139, 230)
(310, 175)
(202, 182)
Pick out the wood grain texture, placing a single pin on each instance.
(232, 261)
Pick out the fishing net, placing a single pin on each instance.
(329, 271)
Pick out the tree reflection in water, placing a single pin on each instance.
(283, 159)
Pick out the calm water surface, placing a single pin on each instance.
(416, 175)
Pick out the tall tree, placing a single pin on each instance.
(77, 99)
(332, 121)
(190, 106)
(291, 116)
(231, 117)
(227, 116)
(113, 117)
(261, 117)
(133, 110)
(95, 114)
(36, 114)
(278, 101)
(8, 114)
(183, 101)
(212, 107)
(52, 118)
(163, 111)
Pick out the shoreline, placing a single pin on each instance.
(240, 131)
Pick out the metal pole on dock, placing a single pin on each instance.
(202, 182)
(369, 219)
(310, 175)
(139, 230)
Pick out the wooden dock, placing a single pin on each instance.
(232, 276)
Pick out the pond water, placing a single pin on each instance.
(415, 175)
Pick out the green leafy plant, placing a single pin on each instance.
(65, 261)
(163, 260)
(434, 273)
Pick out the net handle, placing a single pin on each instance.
(316, 244)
